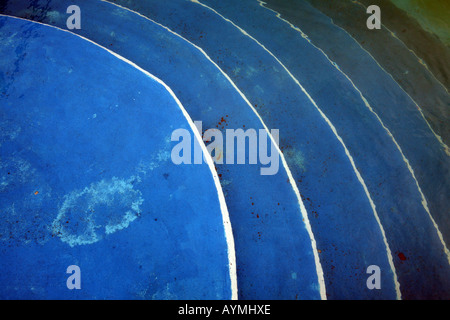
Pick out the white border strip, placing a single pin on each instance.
(438, 137)
(319, 269)
(209, 161)
(278, 15)
(388, 251)
(420, 60)
(424, 201)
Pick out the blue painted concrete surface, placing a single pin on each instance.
(87, 176)
(86, 181)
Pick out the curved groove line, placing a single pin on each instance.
(420, 60)
(209, 161)
(361, 180)
(319, 269)
(278, 15)
(438, 137)
(411, 170)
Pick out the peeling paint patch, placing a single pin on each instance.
(145, 166)
(296, 157)
(15, 170)
(103, 208)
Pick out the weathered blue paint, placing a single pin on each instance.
(415, 58)
(267, 230)
(87, 179)
(274, 252)
(375, 154)
(308, 144)
(419, 277)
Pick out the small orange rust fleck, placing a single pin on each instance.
(219, 155)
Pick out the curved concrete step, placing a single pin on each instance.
(273, 245)
(335, 214)
(363, 126)
(88, 181)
